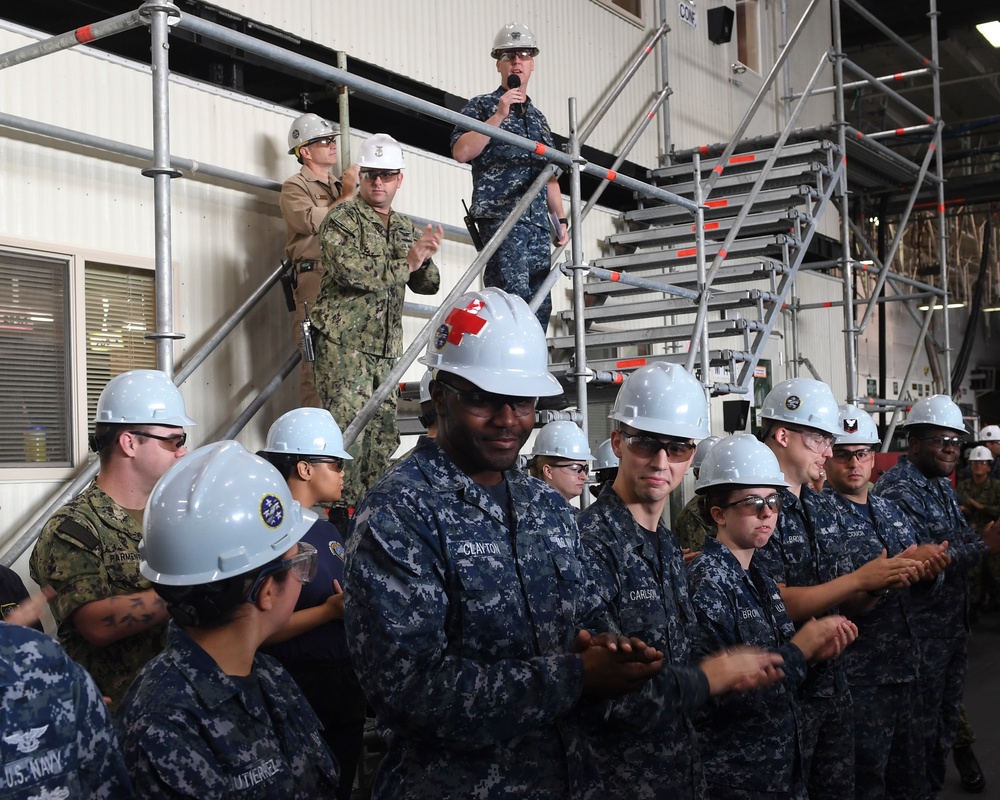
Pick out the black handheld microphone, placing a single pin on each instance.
(514, 82)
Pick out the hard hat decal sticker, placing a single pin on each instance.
(515, 35)
(464, 320)
(295, 134)
(440, 337)
(378, 151)
(850, 426)
(792, 402)
(271, 511)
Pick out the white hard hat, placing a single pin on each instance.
(940, 411)
(425, 386)
(564, 439)
(604, 456)
(739, 460)
(305, 129)
(218, 512)
(856, 426)
(493, 340)
(991, 433)
(307, 432)
(514, 36)
(980, 453)
(380, 151)
(803, 401)
(142, 397)
(702, 450)
(663, 398)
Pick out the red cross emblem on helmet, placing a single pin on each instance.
(459, 322)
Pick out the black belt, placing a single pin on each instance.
(308, 266)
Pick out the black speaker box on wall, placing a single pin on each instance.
(720, 24)
(734, 415)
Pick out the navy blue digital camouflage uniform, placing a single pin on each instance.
(642, 585)
(882, 664)
(807, 549)
(189, 730)
(501, 174)
(460, 613)
(56, 739)
(749, 741)
(940, 619)
(319, 662)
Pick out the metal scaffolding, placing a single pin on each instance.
(709, 261)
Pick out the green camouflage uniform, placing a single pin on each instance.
(359, 318)
(984, 577)
(690, 529)
(89, 551)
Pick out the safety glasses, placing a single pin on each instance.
(510, 55)
(814, 440)
(486, 404)
(337, 464)
(579, 469)
(755, 505)
(302, 565)
(174, 442)
(863, 455)
(374, 174)
(941, 442)
(649, 446)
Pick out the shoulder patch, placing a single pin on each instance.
(74, 530)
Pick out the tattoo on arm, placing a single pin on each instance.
(139, 612)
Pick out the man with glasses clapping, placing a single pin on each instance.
(808, 559)
(882, 668)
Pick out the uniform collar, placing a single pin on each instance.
(211, 684)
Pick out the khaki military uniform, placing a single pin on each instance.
(359, 318)
(305, 201)
(89, 551)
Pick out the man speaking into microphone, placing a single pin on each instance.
(501, 173)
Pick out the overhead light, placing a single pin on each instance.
(939, 307)
(991, 30)
(991, 310)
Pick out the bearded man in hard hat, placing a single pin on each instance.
(110, 619)
(305, 199)
(501, 173)
(371, 254)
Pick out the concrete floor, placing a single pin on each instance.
(982, 704)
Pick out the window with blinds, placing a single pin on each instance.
(120, 311)
(35, 409)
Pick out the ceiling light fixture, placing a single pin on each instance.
(991, 30)
(938, 307)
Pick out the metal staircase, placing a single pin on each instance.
(659, 244)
